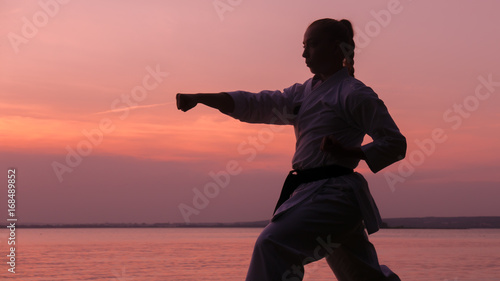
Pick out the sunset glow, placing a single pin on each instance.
(88, 114)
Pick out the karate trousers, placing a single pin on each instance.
(326, 225)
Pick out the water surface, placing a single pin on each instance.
(125, 254)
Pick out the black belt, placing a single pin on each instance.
(298, 177)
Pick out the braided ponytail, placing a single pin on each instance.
(349, 46)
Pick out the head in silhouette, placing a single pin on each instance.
(329, 46)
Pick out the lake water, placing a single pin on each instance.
(126, 254)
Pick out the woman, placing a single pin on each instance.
(324, 206)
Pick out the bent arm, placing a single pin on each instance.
(388, 145)
(331, 145)
(221, 101)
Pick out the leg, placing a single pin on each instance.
(356, 259)
(306, 233)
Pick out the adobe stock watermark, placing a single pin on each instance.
(95, 136)
(122, 276)
(381, 19)
(221, 179)
(324, 248)
(224, 6)
(121, 272)
(455, 116)
(31, 26)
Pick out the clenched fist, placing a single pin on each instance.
(186, 101)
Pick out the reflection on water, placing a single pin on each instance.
(124, 254)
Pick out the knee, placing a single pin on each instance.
(274, 238)
(265, 240)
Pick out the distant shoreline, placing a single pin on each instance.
(145, 225)
(391, 223)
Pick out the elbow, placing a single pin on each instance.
(401, 148)
(397, 147)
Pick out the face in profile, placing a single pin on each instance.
(320, 51)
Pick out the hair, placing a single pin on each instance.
(340, 31)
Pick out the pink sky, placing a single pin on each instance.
(66, 70)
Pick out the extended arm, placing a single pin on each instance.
(265, 107)
(221, 101)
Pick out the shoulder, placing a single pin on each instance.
(355, 92)
(299, 87)
(297, 91)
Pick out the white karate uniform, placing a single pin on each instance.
(331, 211)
